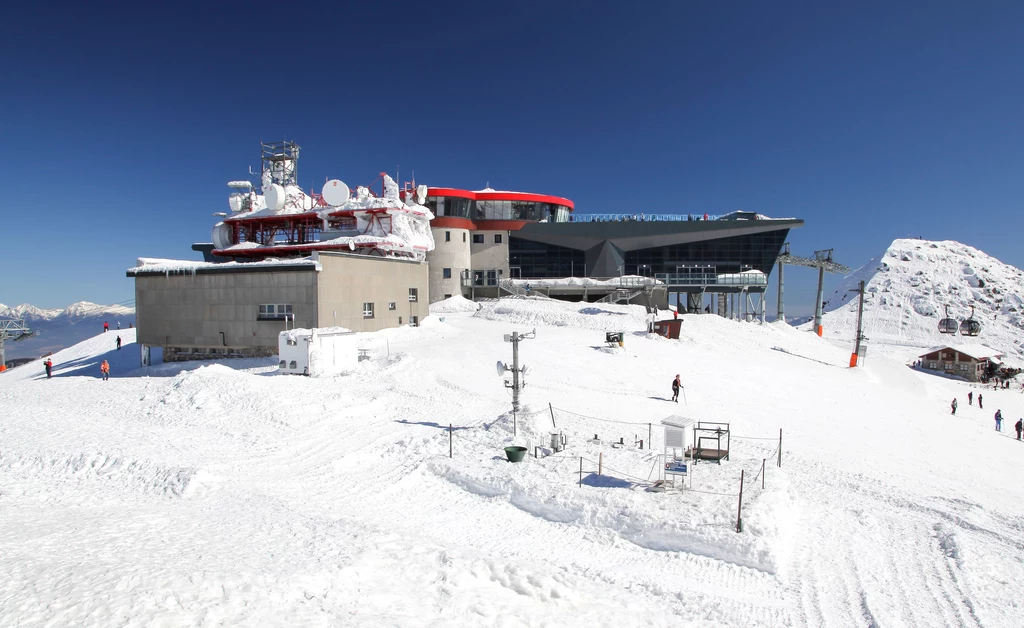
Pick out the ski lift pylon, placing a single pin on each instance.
(970, 327)
(948, 325)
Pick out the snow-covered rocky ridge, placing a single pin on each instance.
(909, 286)
(198, 493)
(59, 328)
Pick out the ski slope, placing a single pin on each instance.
(199, 494)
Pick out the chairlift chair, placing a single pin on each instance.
(970, 327)
(948, 325)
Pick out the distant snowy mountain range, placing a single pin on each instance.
(60, 328)
(910, 286)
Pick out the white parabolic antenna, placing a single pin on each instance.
(275, 196)
(221, 236)
(335, 192)
(500, 367)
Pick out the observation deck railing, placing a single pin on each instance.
(712, 279)
(640, 217)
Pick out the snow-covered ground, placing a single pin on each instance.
(202, 494)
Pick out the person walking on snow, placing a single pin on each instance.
(953, 405)
(49, 368)
(105, 370)
(979, 402)
(1019, 426)
(119, 324)
(970, 398)
(118, 343)
(676, 385)
(106, 326)
(999, 420)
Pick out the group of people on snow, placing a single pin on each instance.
(1018, 426)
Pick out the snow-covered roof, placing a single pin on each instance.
(976, 351)
(153, 264)
(677, 421)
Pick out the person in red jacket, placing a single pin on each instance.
(49, 368)
(106, 326)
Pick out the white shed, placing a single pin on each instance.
(317, 352)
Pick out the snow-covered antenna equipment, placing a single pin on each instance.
(335, 192)
(500, 367)
(280, 162)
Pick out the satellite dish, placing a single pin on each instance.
(335, 192)
(275, 196)
(235, 201)
(222, 236)
(500, 367)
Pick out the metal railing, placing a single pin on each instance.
(641, 217)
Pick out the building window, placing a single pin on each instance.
(497, 238)
(478, 277)
(367, 310)
(463, 236)
(399, 320)
(274, 312)
(492, 278)
(447, 296)
(414, 320)
(391, 305)
(414, 295)
(446, 273)
(447, 236)
(478, 238)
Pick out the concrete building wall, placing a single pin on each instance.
(490, 255)
(348, 281)
(190, 311)
(452, 251)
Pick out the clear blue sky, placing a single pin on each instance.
(870, 121)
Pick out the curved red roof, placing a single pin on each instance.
(497, 195)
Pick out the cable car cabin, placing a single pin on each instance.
(948, 326)
(970, 327)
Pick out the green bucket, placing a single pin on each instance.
(515, 454)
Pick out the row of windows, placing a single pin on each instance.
(496, 210)
(414, 296)
(274, 312)
(478, 238)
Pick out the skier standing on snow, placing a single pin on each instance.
(953, 405)
(999, 420)
(49, 368)
(118, 343)
(1019, 426)
(106, 326)
(979, 402)
(119, 324)
(676, 385)
(105, 370)
(970, 398)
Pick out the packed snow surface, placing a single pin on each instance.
(913, 284)
(199, 494)
(56, 329)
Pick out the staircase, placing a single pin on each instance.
(620, 294)
(518, 291)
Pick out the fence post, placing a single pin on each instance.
(780, 446)
(581, 471)
(763, 460)
(600, 462)
(649, 433)
(739, 510)
(449, 440)
(552, 416)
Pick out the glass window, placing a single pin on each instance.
(497, 238)
(391, 305)
(447, 296)
(414, 295)
(492, 278)
(446, 273)
(367, 310)
(478, 277)
(414, 320)
(463, 236)
(447, 236)
(478, 238)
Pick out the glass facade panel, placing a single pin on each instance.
(537, 260)
(728, 255)
(496, 209)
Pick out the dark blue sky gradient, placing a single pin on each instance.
(870, 121)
